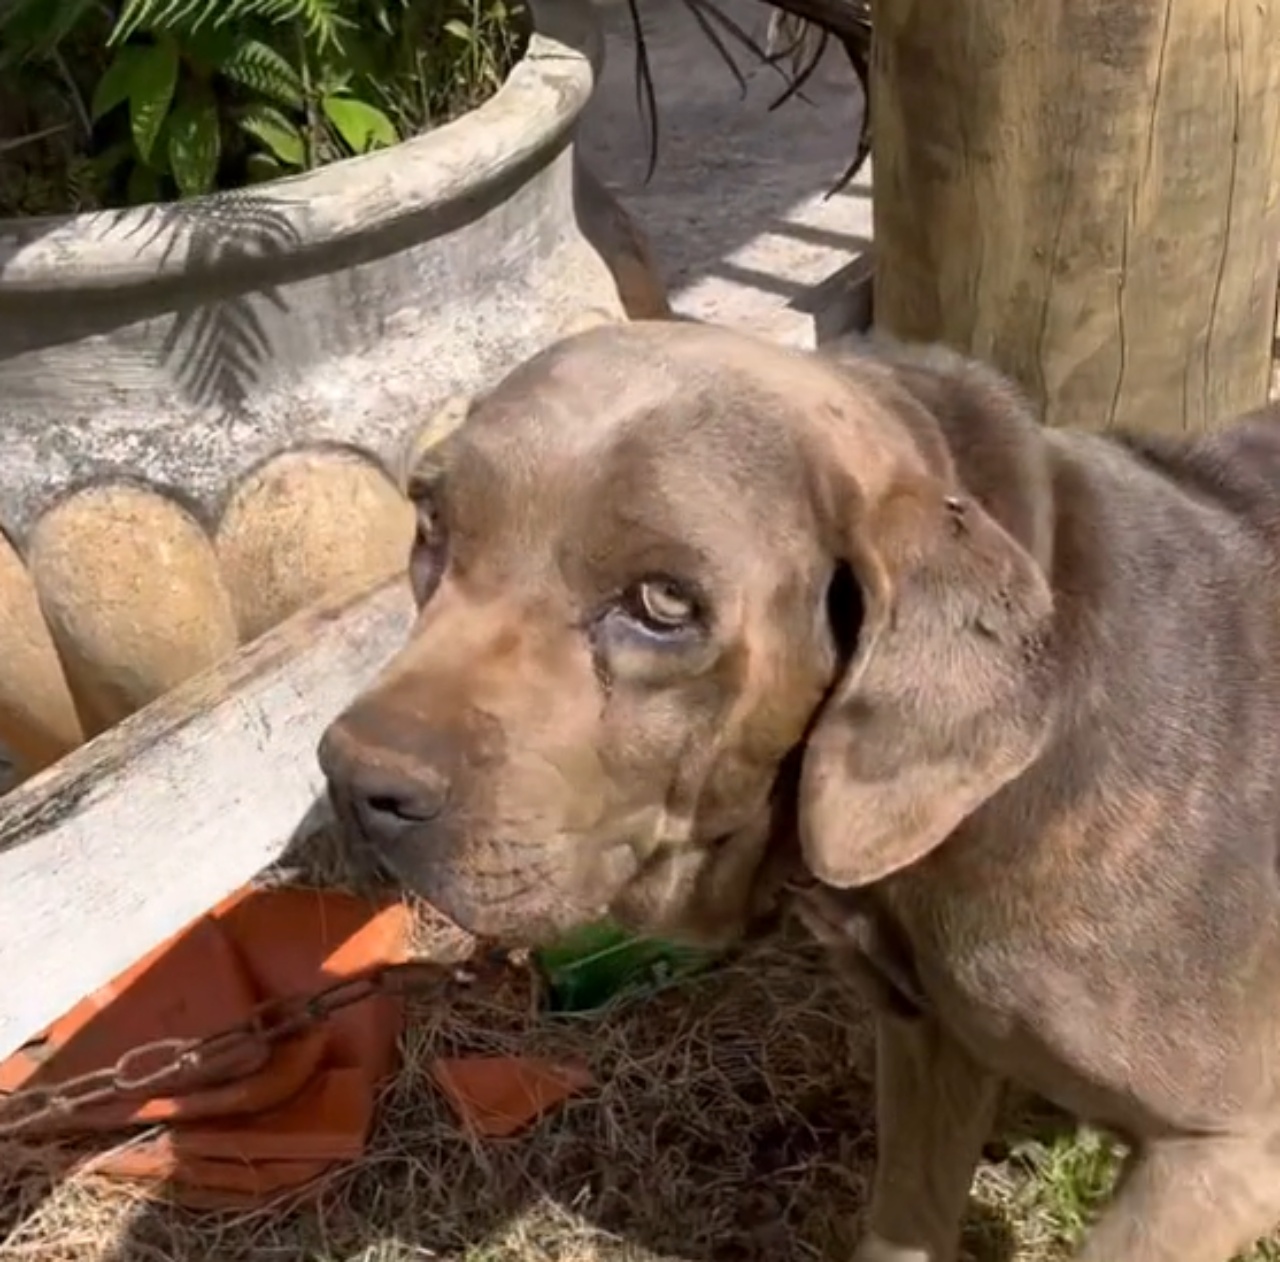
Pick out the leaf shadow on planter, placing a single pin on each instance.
(200, 265)
(218, 344)
(218, 347)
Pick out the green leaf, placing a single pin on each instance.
(114, 86)
(111, 157)
(155, 15)
(260, 68)
(334, 80)
(273, 129)
(261, 166)
(34, 28)
(209, 47)
(195, 145)
(323, 19)
(144, 185)
(459, 30)
(151, 86)
(362, 126)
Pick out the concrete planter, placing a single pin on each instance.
(205, 407)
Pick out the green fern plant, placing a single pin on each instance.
(176, 98)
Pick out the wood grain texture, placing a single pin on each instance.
(1084, 192)
(136, 833)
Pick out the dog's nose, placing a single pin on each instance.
(388, 806)
(387, 795)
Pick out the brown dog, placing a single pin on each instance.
(681, 588)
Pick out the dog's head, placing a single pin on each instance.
(668, 575)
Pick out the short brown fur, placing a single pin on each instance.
(994, 708)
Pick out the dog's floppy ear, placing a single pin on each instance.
(948, 694)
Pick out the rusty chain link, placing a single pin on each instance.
(233, 1053)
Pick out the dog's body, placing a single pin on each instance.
(1060, 656)
(1106, 929)
(1067, 884)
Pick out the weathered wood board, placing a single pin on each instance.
(133, 835)
(844, 302)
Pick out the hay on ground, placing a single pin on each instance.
(731, 1121)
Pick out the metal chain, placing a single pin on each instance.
(180, 1065)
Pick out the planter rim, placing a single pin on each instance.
(437, 173)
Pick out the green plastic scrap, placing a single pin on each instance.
(587, 968)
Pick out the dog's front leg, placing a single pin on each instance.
(935, 1106)
(1202, 1199)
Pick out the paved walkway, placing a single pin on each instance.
(736, 208)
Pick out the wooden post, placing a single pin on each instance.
(1086, 194)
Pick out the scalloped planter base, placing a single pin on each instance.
(130, 589)
(208, 406)
(38, 720)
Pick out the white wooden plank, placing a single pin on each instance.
(138, 832)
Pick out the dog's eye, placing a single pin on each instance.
(430, 523)
(426, 562)
(662, 605)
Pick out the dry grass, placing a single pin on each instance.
(732, 1122)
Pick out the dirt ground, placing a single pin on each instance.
(737, 208)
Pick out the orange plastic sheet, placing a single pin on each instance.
(496, 1096)
(261, 1122)
(258, 1122)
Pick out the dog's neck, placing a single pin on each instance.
(781, 868)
